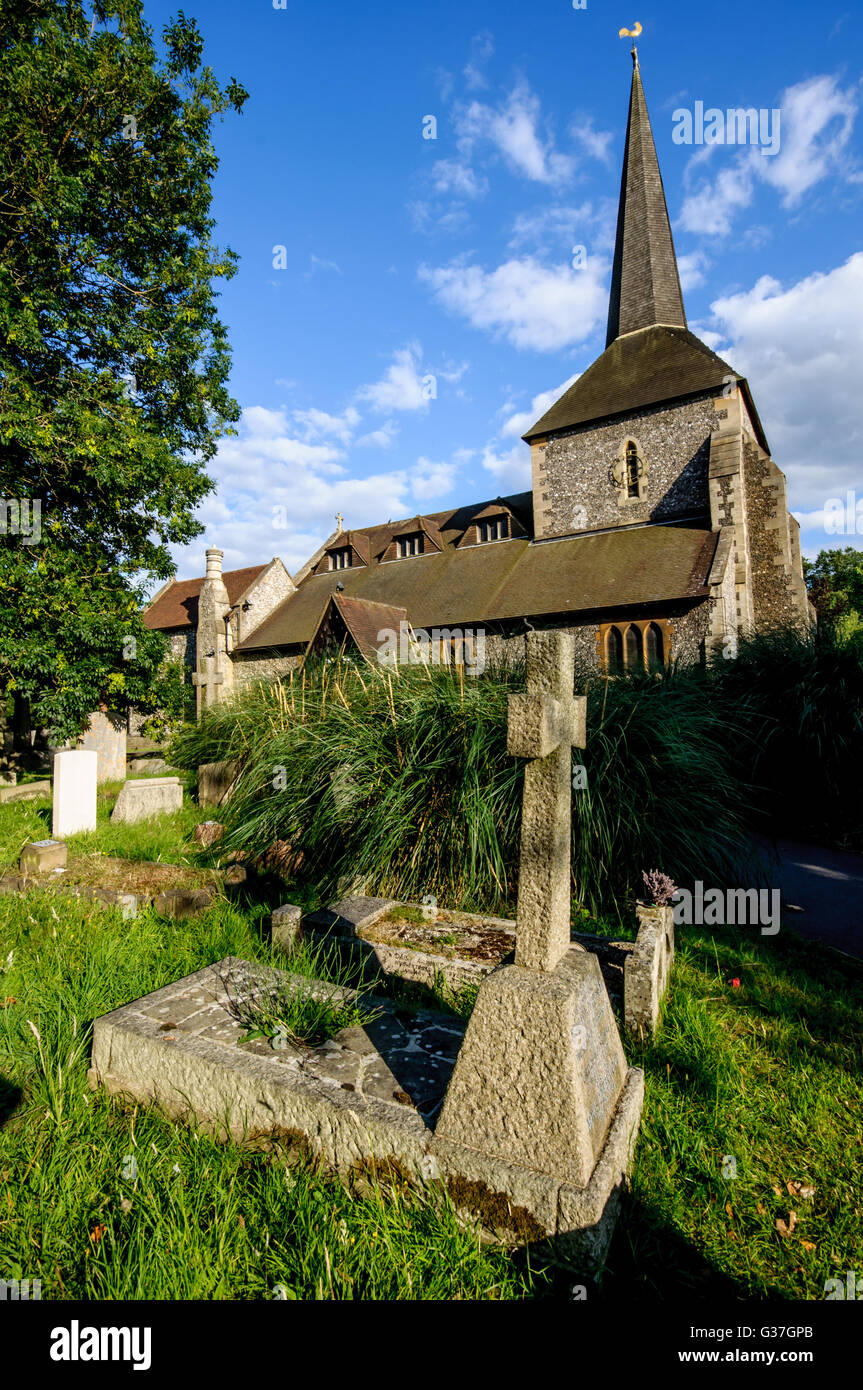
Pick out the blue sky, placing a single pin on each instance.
(428, 308)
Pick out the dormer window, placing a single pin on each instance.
(340, 559)
(494, 530)
(409, 545)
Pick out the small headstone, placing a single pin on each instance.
(207, 833)
(153, 796)
(648, 967)
(182, 902)
(75, 774)
(106, 735)
(286, 926)
(43, 856)
(215, 782)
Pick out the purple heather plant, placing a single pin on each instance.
(660, 887)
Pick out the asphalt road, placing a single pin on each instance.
(828, 885)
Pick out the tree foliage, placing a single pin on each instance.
(113, 361)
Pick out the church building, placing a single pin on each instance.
(656, 527)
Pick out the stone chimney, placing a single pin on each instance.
(214, 674)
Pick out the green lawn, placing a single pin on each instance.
(766, 1074)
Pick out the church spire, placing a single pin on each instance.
(645, 285)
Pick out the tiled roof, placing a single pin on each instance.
(643, 369)
(178, 605)
(504, 580)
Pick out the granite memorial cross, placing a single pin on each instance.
(541, 1070)
(544, 724)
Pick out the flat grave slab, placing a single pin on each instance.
(367, 1091)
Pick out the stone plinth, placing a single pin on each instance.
(43, 856)
(216, 782)
(75, 774)
(26, 791)
(647, 969)
(152, 796)
(105, 735)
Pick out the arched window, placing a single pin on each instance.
(654, 647)
(632, 648)
(631, 470)
(614, 651)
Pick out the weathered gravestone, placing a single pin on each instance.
(541, 1108)
(106, 735)
(151, 796)
(216, 782)
(75, 774)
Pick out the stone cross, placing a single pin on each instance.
(207, 682)
(543, 725)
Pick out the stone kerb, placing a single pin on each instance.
(151, 796)
(648, 968)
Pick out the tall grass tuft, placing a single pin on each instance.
(401, 779)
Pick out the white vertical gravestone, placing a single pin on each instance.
(75, 775)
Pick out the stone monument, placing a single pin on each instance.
(75, 774)
(541, 1108)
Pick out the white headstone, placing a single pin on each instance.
(74, 792)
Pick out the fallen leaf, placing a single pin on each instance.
(242, 1221)
(777, 1190)
(760, 1208)
(787, 1229)
(798, 1189)
(735, 983)
(729, 1209)
(807, 1245)
(96, 1234)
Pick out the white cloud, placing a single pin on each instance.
(481, 50)
(432, 479)
(454, 176)
(379, 439)
(816, 125)
(317, 263)
(402, 385)
(511, 469)
(800, 348)
(522, 420)
(534, 306)
(692, 267)
(513, 131)
(317, 424)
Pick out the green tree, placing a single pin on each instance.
(835, 583)
(113, 362)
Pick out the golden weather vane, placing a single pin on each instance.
(632, 33)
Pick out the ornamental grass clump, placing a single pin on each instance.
(400, 779)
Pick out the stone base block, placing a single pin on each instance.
(152, 796)
(42, 856)
(516, 1205)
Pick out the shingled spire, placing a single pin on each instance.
(645, 285)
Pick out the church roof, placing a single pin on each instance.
(655, 365)
(177, 605)
(505, 580)
(364, 620)
(645, 285)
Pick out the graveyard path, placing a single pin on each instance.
(828, 885)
